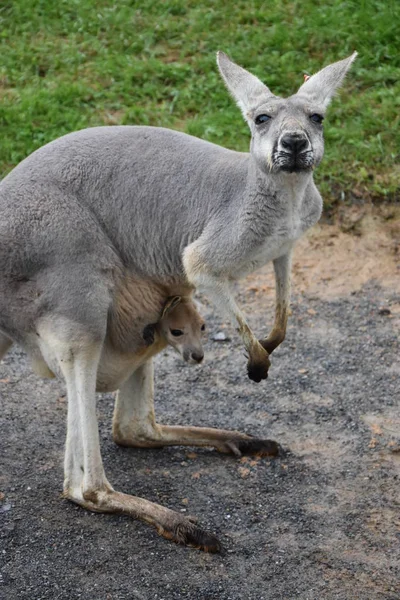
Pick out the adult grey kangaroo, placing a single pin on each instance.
(84, 214)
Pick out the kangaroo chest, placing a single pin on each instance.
(284, 233)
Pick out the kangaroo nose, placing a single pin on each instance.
(294, 143)
(198, 356)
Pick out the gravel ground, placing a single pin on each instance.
(321, 523)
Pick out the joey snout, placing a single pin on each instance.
(193, 356)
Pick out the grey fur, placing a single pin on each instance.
(92, 204)
(96, 220)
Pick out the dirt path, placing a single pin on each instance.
(322, 523)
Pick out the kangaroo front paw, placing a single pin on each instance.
(272, 342)
(258, 370)
(268, 345)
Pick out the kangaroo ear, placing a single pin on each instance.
(170, 304)
(248, 91)
(322, 86)
(148, 334)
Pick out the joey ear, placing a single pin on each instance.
(247, 89)
(322, 86)
(148, 334)
(170, 304)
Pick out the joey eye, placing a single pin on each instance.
(315, 118)
(262, 119)
(176, 332)
(203, 327)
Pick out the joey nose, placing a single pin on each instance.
(197, 356)
(294, 143)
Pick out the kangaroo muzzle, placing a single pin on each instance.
(293, 152)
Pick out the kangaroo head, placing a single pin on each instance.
(182, 327)
(287, 133)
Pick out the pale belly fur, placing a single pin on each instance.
(114, 368)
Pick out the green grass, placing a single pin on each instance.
(69, 64)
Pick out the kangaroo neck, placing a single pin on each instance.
(275, 189)
(270, 202)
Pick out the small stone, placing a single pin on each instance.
(384, 311)
(220, 336)
(395, 449)
(243, 472)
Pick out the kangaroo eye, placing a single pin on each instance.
(203, 327)
(176, 332)
(317, 118)
(262, 119)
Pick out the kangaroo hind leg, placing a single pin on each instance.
(134, 424)
(78, 353)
